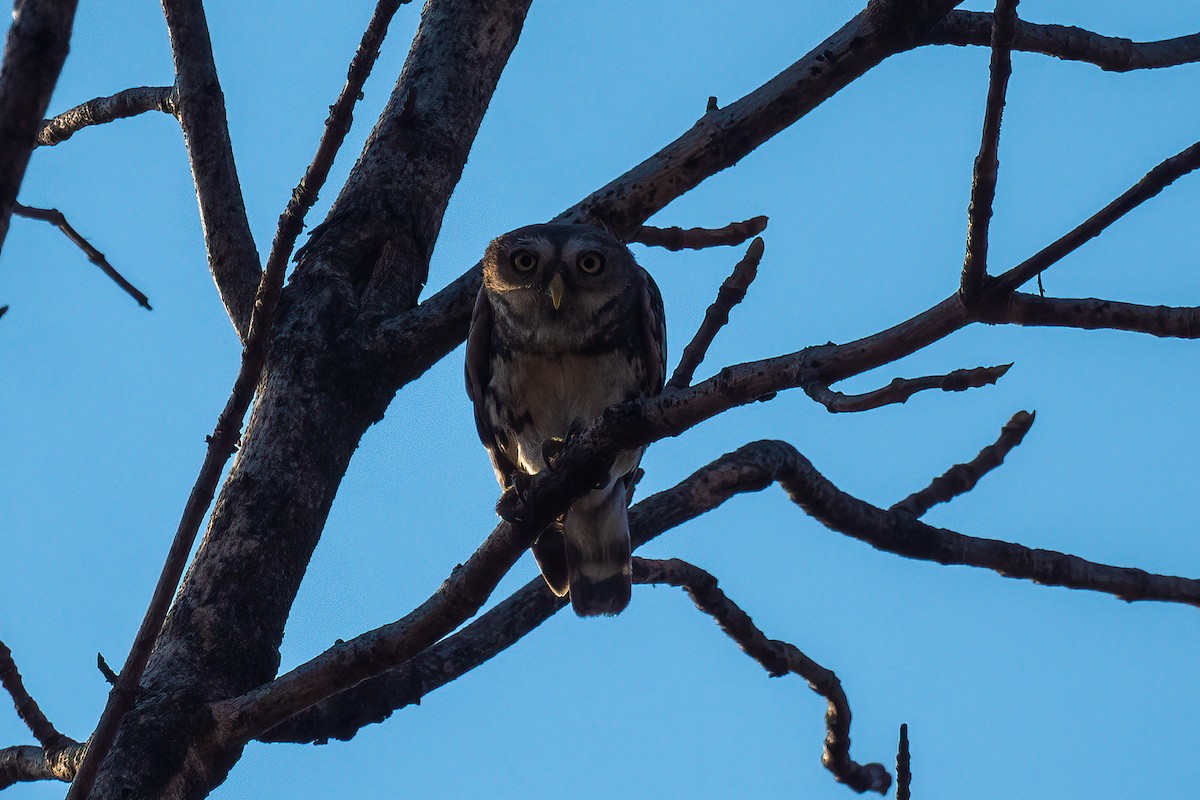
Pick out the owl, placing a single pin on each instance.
(566, 325)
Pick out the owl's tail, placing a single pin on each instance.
(596, 534)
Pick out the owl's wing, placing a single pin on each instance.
(654, 334)
(479, 375)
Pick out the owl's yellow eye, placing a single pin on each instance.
(591, 263)
(523, 261)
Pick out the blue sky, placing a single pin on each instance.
(1010, 689)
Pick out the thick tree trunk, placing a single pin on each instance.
(315, 402)
(222, 637)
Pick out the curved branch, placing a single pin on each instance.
(675, 238)
(24, 763)
(751, 468)
(777, 658)
(27, 708)
(102, 110)
(901, 389)
(1111, 53)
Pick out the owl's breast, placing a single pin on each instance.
(533, 398)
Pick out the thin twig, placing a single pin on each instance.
(56, 218)
(675, 238)
(777, 658)
(1157, 179)
(27, 708)
(987, 163)
(901, 389)
(1111, 53)
(223, 441)
(961, 478)
(903, 766)
(732, 292)
(101, 110)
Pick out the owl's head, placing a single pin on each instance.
(555, 280)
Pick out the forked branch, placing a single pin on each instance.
(778, 659)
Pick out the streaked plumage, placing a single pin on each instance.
(566, 325)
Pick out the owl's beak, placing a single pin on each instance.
(555, 290)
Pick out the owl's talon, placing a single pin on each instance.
(512, 504)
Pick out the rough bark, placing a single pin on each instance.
(223, 634)
(34, 52)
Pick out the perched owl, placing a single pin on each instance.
(566, 325)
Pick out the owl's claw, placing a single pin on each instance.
(511, 505)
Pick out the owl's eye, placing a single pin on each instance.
(591, 263)
(523, 261)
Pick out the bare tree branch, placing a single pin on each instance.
(724, 136)
(751, 468)
(901, 389)
(1110, 53)
(101, 110)
(1090, 313)
(720, 139)
(56, 218)
(777, 658)
(224, 439)
(267, 520)
(34, 52)
(27, 708)
(24, 763)
(675, 238)
(732, 292)
(200, 105)
(1157, 179)
(962, 478)
(987, 163)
